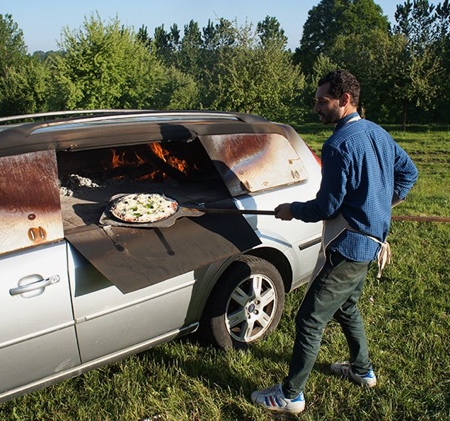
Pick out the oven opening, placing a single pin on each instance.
(90, 178)
(134, 257)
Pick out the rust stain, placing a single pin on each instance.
(254, 162)
(239, 147)
(29, 183)
(30, 211)
(37, 235)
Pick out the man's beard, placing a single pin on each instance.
(331, 117)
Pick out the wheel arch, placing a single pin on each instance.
(279, 260)
(215, 329)
(272, 255)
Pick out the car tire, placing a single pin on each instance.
(245, 305)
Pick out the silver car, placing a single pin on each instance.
(81, 288)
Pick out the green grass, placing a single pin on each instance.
(407, 316)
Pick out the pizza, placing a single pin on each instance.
(143, 207)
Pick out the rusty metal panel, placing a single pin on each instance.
(254, 162)
(30, 212)
(134, 258)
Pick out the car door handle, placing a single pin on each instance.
(42, 283)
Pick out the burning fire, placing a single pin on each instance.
(117, 159)
(132, 158)
(178, 164)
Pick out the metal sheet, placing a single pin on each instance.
(30, 212)
(254, 162)
(136, 258)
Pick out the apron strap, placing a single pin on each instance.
(384, 254)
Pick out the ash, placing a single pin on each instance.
(75, 182)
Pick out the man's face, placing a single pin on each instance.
(328, 108)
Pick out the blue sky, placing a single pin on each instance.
(42, 21)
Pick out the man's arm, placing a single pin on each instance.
(405, 174)
(331, 193)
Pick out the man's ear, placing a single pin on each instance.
(345, 99)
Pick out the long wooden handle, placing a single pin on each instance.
(421, 218)
(238, 211)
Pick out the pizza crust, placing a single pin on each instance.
(143, 207)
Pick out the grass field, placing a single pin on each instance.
(407, 316)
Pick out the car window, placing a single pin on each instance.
(30, 211)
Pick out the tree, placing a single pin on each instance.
(179, 91)
(104, 66)
(190, 47)
(442, 16)
(194, 55)
(143, 37)
(258, 77)
(235, 68)
(322, 65)
(331, 19)
(166, 44)
(269, 32)
(369, 60)
(414, 20)
(13, 49)
(23, 79)
(403, 72)
(422, 27)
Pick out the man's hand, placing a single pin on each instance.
(283, 212)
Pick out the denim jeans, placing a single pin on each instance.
(333, 294)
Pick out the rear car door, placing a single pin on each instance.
(37, 335)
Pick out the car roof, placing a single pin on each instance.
(87, 129)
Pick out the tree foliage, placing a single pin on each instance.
(404, 70)
(270, 33)
(423, 29)
(22, 78)
(13, 48)
(332, 19)
(257, 75)
(235, 67)
(104, 66)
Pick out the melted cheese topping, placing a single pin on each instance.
(143, 207)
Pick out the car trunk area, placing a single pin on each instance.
(66, 191)
(133, 256)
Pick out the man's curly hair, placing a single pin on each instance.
(342, 81)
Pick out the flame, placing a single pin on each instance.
(117, 159)
(158, 151)
(150, 176)
(132, 158)
(179, 164)
(139, 159)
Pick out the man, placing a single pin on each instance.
(364, 172)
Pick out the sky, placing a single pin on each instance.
(42, 21)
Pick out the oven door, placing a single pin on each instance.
(37, 337)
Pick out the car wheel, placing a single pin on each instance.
(245, 305)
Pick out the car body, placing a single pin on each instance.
(77, 293)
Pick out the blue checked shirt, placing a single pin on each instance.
(363, 169)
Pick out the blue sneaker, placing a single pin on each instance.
(344, 370)
(273, 399)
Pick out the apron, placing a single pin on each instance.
(332, 228)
